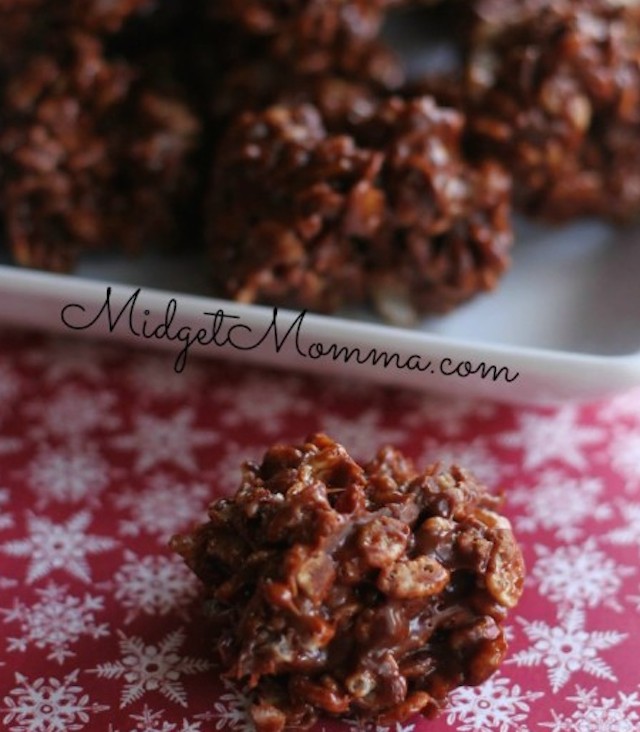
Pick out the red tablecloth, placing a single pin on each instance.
(105, 453)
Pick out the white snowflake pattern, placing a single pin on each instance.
(62, 358)
(153, 376)
(567, 648)
(622, 406)
(629, 533)
(551, 436)
(6, 519)
(579, 575)
(68, 474)
(48, 705)
(163, 507)
(493, 705)
(56, 621)
(153, 585)
(147, 668)
(449, 417)
(228, 469)
(624, 453)
(159, 440)
(635, 599)
(63, 547)
(264, 401)
(231, 710)
(361, 726)
(474, 452)
(598, 714)
(73, 412)
(559, 504)
(359, 433)
(150, 721)
(207, 716)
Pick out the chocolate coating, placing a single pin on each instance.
(363, 592)
(555, 92)
(388, 210)
(91, 157)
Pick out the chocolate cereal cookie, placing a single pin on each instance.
(554, 91)
(364, 592)
(91, 156)
(388, 210)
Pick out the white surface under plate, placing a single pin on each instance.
(565, 320)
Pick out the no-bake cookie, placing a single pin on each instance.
(389, 212)
(91, 156)
(554, 91)
(365, 592)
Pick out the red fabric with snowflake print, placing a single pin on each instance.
(105, 453)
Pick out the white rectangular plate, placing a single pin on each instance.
(563, 324)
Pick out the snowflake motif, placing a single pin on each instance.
(623, 406)
(553, 436)
(154, 585)
(150, 721)
(579, 575)
(73, 412)
(264, 401)
(567, 648)
(62, 358)
(57, 620)
(624, 452)
(472, 453)
(163, 507)
(153, 376)
(629, 534)
(6, 520)
(559, 504)
(231, 711)
(635, 599)
(147, 668)
(68, 474)
(173, 440)
(359, 433)
(493, 705)
(509, 634)
(207, 716)
(228, 469)
(48, 705)
(450, 417)
(595, 714)
(360, 726)
(58, 546)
